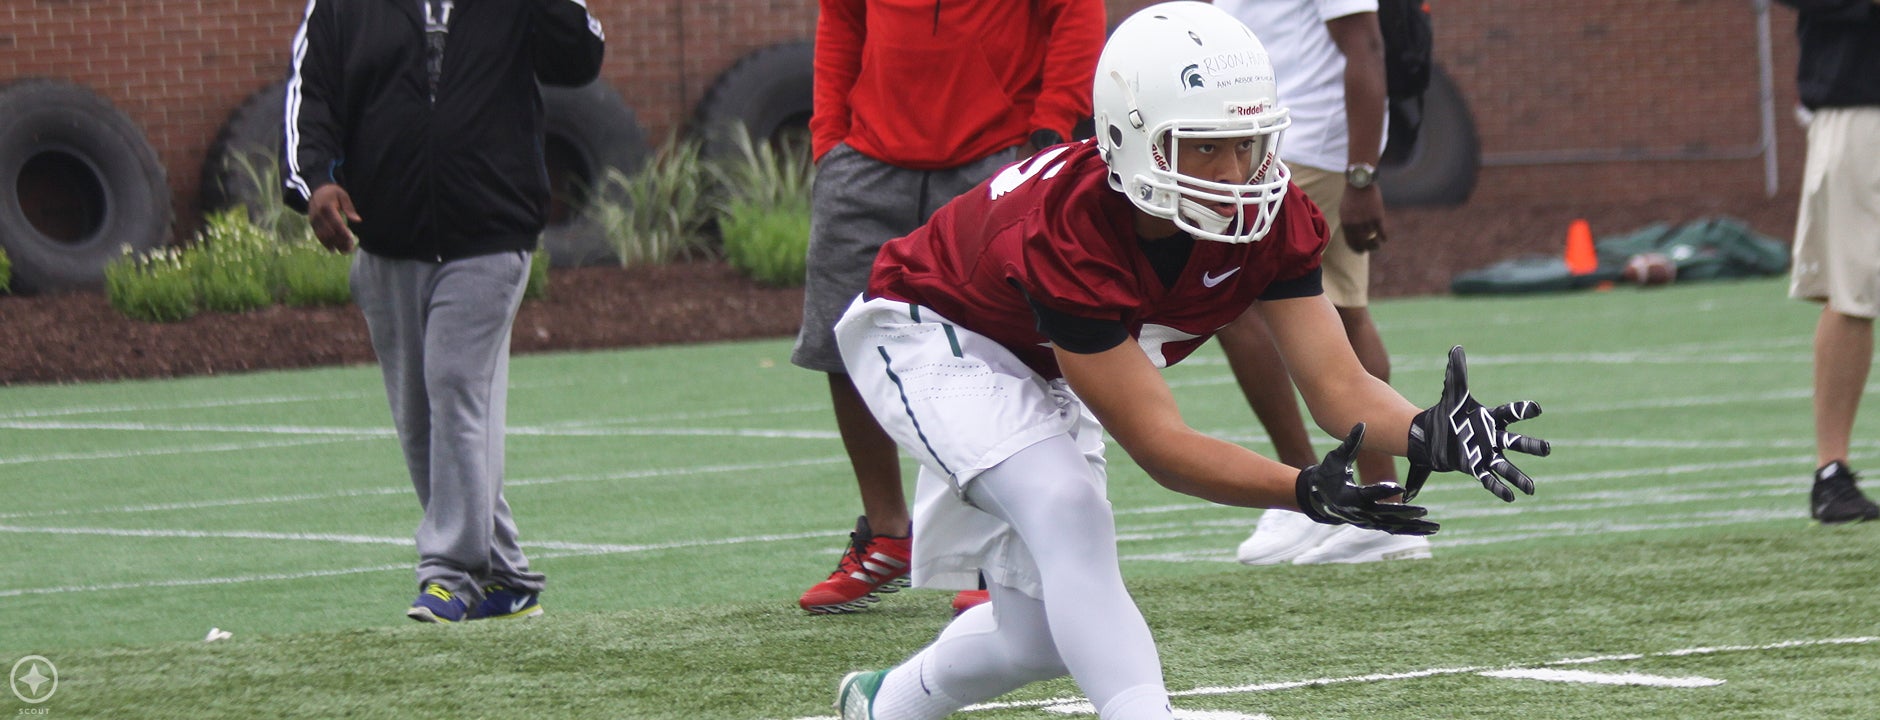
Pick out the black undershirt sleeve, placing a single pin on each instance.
(1306, 285)
(1080, 335)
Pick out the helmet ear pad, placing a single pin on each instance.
(1189, 70)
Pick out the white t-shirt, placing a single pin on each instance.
(1310, 72)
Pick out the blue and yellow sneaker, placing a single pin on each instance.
(436, 604)
(855, 696)
(501, 603)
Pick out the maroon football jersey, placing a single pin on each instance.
(1051, 228)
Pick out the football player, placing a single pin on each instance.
(998, 342)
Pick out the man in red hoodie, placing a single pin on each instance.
(915, 103)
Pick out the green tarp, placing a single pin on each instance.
(1707, 249)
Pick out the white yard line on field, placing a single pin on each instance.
(553, 550)
(403, 490)
(563, 549)
(1072, 701)
(179, 450)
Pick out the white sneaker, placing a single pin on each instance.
(1281, 536)
(1351, 544)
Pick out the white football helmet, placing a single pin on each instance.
(1189, 70)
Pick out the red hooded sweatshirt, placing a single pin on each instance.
(935, 84)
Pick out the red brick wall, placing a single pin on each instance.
(178, 67)
(1606, 76)
(1595, 77)
(1541, 77)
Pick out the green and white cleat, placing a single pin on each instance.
(855, 696)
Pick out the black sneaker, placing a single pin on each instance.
(1836, 500)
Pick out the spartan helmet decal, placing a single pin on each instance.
(1223, 89)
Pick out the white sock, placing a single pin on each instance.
(1142, 702)
(906, 695)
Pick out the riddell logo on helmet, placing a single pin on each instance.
(1244, 110)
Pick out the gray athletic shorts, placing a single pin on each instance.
(857, 204)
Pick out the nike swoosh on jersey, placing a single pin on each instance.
(1213, 280)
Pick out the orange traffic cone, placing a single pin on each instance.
(1582, 259)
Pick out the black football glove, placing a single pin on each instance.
(1328, 495)
(1459, 434)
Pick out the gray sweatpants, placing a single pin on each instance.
(857, 204)
(441, 332)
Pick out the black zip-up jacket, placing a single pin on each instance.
(454, 177)
(1840, 63)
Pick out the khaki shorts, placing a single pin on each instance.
(1347, 271)
(1837, 229)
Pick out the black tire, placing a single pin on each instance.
(768, 91)
(1440, 168)
(243, 164)
(78, 183)
(590, 129)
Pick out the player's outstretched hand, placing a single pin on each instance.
(1328, 494)
(1457, 433)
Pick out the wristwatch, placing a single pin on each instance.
(1360, 175)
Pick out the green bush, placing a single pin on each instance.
(6, 273)
(659, 213)
(769, 244)
(154, 287)
(233, 263)
(273, 217)
(762, 206)
(311, 275)
(537, 289)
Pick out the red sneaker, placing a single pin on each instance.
(968, 598)
(873, 564)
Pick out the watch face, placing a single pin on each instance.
(1359, 177)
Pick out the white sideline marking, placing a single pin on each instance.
(197, 428)
(183, 450)
(363, 433)
(188, 405)
(201, 581)
(1433, 672)
(1085, 708)
(339, 494)
(1582, 676)
(252, 401)
(571, 550)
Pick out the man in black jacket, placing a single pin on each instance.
(414, 132)
(1836, 242)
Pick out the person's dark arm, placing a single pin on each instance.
(1835, 10)
(313, 137)
(1361, 213)
(569, 43)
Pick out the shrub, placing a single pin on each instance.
(767, 244)
(233, 263)
(6, 273)
(657, 214)
(272, 217)
(154, 287)
(762, 207)
(311, 275)
(537, 289)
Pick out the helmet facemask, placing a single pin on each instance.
(1185, 199)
